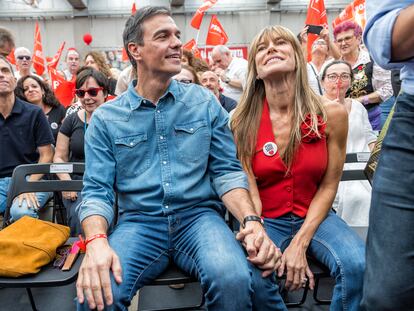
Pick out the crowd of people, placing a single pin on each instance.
(179, 139)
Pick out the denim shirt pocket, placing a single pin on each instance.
(132, 154)
(193, 141)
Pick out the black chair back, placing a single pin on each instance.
(355, 174)
(19, 183)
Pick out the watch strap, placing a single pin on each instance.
(252, 218)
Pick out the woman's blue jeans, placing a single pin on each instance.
(335, 245)
(200, 243)
(388, 283)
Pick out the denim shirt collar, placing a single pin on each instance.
(135, 100)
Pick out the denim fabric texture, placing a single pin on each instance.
(388, 278)
(174, 155)
(170, 163)
(17, 212)
(4, 187)
(200, 243)
(335, 245)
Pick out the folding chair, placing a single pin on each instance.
(48, 276)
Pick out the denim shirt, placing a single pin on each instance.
(174, 155)
(378, 34)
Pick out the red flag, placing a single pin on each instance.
(38, 59)
(133, 9)
(216, 34)
(192, 46)
(64, 90)
(346, 15)
(358, 7)
(198, 16)
(316, 16)
(11, 58)
(53, 61)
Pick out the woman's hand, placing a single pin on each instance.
(31, 200)
(297, 269)
(70, 195)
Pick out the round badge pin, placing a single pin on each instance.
(270, 149)
(54, 125)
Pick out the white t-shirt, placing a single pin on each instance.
(236, 70)
(353, 198)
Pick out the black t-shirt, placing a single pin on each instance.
(74, 128)
(21, 133)
(55, 118)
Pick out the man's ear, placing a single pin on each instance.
(134, 50)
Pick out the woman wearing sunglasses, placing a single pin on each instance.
(353, 198)
(92, 90)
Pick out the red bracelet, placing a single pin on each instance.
(83, 243)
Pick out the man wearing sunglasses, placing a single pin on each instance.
(166, 149)
(24, 62)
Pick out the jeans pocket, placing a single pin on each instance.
(132, 154)
(192, 141)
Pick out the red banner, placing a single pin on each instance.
(64, 90)
(198, 15)
(316, 16)
(236, 51)
(354, 11)
(53, 61)
(216, 34)
(11, 58)
(38, 59)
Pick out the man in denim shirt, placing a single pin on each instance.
(165, 148)
(388, 281)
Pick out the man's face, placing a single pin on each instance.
(221, 60)
(211, 81)
(161, 52)
(24, 61)
(7, 79)
(72, 61)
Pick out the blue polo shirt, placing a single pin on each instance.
(21, 133)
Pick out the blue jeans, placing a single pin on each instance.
(200, 243)
(4, 187)
(72, 215)
(388, 282)
(335, 245)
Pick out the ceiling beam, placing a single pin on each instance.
(177, 2)
(78, 4)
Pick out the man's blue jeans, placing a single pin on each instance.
(199, 242)
(388, 282)
(335, 245)
(16, 211)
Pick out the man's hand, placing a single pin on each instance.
(297, 269)
(261, 251)
(70, 195)
(31, 200)
(93, 278)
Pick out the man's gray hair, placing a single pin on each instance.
(134, 30)
(21, 50)
(222, 49)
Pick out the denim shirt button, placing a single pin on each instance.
(161, 137)
(166, 206)
(164, 162)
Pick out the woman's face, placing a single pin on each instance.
(274, 57)
(337, 81)
(89, 101)
(90, 62)
(32, 91)
(347, 42)
(184, 60)
(185, 76)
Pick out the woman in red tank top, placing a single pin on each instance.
(292, 146)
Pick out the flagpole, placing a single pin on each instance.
(198, 33)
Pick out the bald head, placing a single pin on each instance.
(211, 81)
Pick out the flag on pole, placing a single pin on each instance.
(38, 59)
(198, 16)
(192, 47)
(11, 58)
(133, 9)
(316, 16)
(216, 34)
(53, 61)
(64, 90)
(347, 14)
(354, 11)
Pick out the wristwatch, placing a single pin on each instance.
(226, 80)
(252, 218)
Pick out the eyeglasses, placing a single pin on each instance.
(333, 77)
(345, 40)
(21, 57)
(93, 91)
(186, 81)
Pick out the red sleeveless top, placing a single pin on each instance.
(282, 192)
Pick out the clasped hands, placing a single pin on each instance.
(263, 253)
